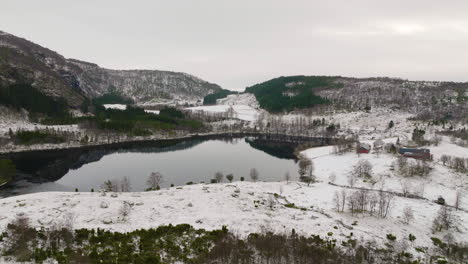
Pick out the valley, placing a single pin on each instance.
(333, 159)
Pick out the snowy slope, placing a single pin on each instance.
(242, 112)
(243, 206)
(441, 181)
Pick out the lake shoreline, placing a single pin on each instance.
(51, 147)
(51, 164)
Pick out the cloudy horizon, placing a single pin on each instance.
(239, 43)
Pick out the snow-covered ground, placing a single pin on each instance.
(441, 181)
(239, 99)
(244, 207)
(115, 106)
(242, 112)
(123, 107)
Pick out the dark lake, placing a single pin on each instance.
(180, 162)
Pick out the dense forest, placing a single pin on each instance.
(289, 93)
(132, 121)
(25, 96)
(211, 98)
(112, 97)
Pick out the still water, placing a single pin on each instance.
(187, 161)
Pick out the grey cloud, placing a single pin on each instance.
(239, 43)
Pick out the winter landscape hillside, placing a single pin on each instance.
(149, 166)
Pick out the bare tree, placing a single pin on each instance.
(337, 201)
(443, 220)
(363, 169)
(154, 181)
(458, 198)
(408, 214)
(287, 177)
(219, 176)
(353, 203)
(373, 202)
(405, 187)
(458, 164)
(230, 177)
(125, 185)
(352, 180)
(445, 159)
(385, 203)
(124, 211)
(344, 196)
(254, 174)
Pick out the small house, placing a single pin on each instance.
(415, 153)
(363, 148)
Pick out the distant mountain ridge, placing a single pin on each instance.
(74, 80)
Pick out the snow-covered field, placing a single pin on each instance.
(244, 207)
(242, 112)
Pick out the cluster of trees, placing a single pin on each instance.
(112, 97)
(208, 117)
(418, 136)
(23, 95)
(117, 185)
(300, 125)
(39, 136)
(289, 93)
(135, 121)
(411, 167)
(456, 163)
(211, 98)
(459, 136)
(364, 201)
(219, 176)
(185, 244)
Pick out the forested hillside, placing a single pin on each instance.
(293, 92)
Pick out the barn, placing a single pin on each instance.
(363, 148)
(415, 153)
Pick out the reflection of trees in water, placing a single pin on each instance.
(46, 166)
(186, 144)
(51, 165)
(282, 150)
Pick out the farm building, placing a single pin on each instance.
(415, 153)
(363, 148)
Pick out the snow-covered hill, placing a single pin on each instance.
(73, 80)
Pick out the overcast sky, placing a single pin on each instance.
(238, 43)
